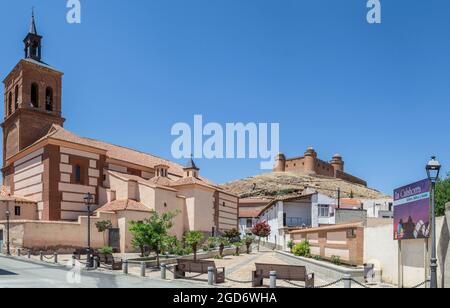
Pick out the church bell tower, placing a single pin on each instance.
(32, 96)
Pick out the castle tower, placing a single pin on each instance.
(338, 163)
(32, 98)
(280, 163)
(310, 160)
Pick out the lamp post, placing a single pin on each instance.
(8, 249)
(433, 168)
(88, 201)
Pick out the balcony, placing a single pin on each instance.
(293, 222)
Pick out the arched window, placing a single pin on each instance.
(78, 174)
(9, 103)
(16, 98)
(49, 99)
(34, 95)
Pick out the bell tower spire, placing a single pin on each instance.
(33, 41)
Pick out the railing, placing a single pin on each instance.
(297, 222)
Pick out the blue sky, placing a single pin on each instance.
(332, 81)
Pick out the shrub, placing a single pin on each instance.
(206, 248)
(302, 250)
(318, 258)
(212, 243)
(106, 250)
(336, 260)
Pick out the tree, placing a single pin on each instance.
(102, 227)
(139, 231)
(238, 246)
(442, 195)
(222, 241)
(232, 235)
(248, 240)
(194, 239)
(153, 232)
(261, 229)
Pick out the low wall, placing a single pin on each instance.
(61, 237)
(344, 241)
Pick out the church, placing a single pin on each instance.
(48, 170)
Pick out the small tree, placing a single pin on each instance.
(102, 227)
(248, 240)
(154, 232)
(222, 241)
(139, 231)
(261, 230)
(238, 246)
(232, 235)
(194, 239)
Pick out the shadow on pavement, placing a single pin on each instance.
(6, 273)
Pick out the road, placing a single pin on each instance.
(16, 273)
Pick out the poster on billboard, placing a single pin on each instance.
(412, 211)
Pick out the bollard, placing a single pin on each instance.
(56, 257)
(29, 254)
(19, 252)
(41, 256)
(143, 269)
(125, 267)
(210, 275)
(163, 271)
(273, 280)
(347, 282)
(95, 263)
(73, 261)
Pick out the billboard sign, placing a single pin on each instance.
(412, 211)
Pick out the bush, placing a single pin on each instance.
(233, 235)
(318, 258)
(336, 260)
(212, 243)
(302, 250)
(206, 249)
(106, 250)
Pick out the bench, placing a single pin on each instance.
(199, 267)
(108, 259)
(284, 272)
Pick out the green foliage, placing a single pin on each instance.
(138, 230)
(232, 235)
(171, 245)
(442, 195)
(318, 258)
(193, 239)
(302, 250)
(106, 250)
(336, 260)
(206, 248)
(212, 242)
(238, 246)
(153, 232)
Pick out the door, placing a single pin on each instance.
(114, 239)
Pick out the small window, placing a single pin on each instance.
(16, 98)
(324, 211)
(165, 204)
(34, 95)
(249, 223)
(17, 211)
(223, 204)
(10, 103)
(78, 174)
(49, 99)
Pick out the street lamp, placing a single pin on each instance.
(433, 168)
(88, 201)
(8, 249)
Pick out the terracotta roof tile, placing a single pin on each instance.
(124, 205)
(249, 212)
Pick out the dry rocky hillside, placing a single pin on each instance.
(271, 185)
